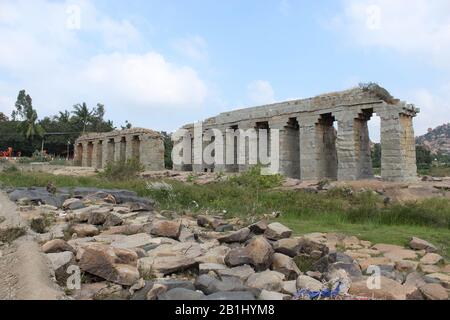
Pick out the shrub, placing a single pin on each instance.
(10, 234)
(122, 170)
(255, 180)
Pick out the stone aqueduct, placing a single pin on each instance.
(311, 146)
(97, 149)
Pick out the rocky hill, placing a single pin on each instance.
(437, 140)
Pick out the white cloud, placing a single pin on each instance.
(260, 92)
(194, 47)
(411, 27)
(61, 66)
(144, 80)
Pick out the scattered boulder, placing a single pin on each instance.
(406, 265)
(277, 231)
(288, 246)
(238, 236)
(268, 280)
(73, 204)
(112, 220)
(112, 264)
(420, 244)
(258, 228)
(388, 290)
(156, 290)
(260, 253)
(210, 285)
(241, 272)
(285, 265)
(166, 228)
(431, 258)
(308, 283)
(434, 291)
(98, 216)
(56, 246)
(164, 265)
(179, 294)
(84, 230)
(205, 268)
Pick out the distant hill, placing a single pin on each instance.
(436, 140)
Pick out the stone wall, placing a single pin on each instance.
(97, 149)
(323, 137)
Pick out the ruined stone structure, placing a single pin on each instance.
(312, 146)
(97, 149)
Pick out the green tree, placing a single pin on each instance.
(168, 146)
(27, 116)
(424, 157)
(376, 155)
(83, 115)
(3, 117)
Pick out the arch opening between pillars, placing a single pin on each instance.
(326, 135)
(136, 148)
(99, 155)
(111, 150)
(79, 154)
(90, 153)
(123, 150)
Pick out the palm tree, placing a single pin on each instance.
(29, 125)
(83, 114)
(24, 111)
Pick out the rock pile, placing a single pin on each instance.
(127, 250)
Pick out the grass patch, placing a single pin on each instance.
(251, 195)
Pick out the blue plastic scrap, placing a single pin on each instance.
(313, 295)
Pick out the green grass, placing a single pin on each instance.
(251, 196)
(442, 171)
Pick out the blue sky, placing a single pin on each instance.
(161, 64)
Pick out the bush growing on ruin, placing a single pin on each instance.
(122, 170)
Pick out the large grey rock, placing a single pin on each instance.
(142, 294)
(73, 204)
(164, 265)
(139, 240)
(259, 227)
(277, 231)
(238, 236)
(210, 285)
(84, 230)
(285, 265)
(57, 245)
(166, 228)
(98, 216)
(112, 264)
(288, 246)
(258, 253)
(308, 283)
(268, 280)
(60, 262)
(205, 268)
(241, 272)
(434, 291)
(420, 244)
(179, 294)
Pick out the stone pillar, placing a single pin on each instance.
(347, 146)
(84, 157)
(289, 146)
(231, 150)
(94, 154)
(308, 152)
(151, 151)
(398, 158)
(247, 145)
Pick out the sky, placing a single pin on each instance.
(163, 64)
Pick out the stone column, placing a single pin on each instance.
(398, 158)
(347, 146)
(247, 145)
(84, 157)
(308, 144)
(94, 154)
(289, 146)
